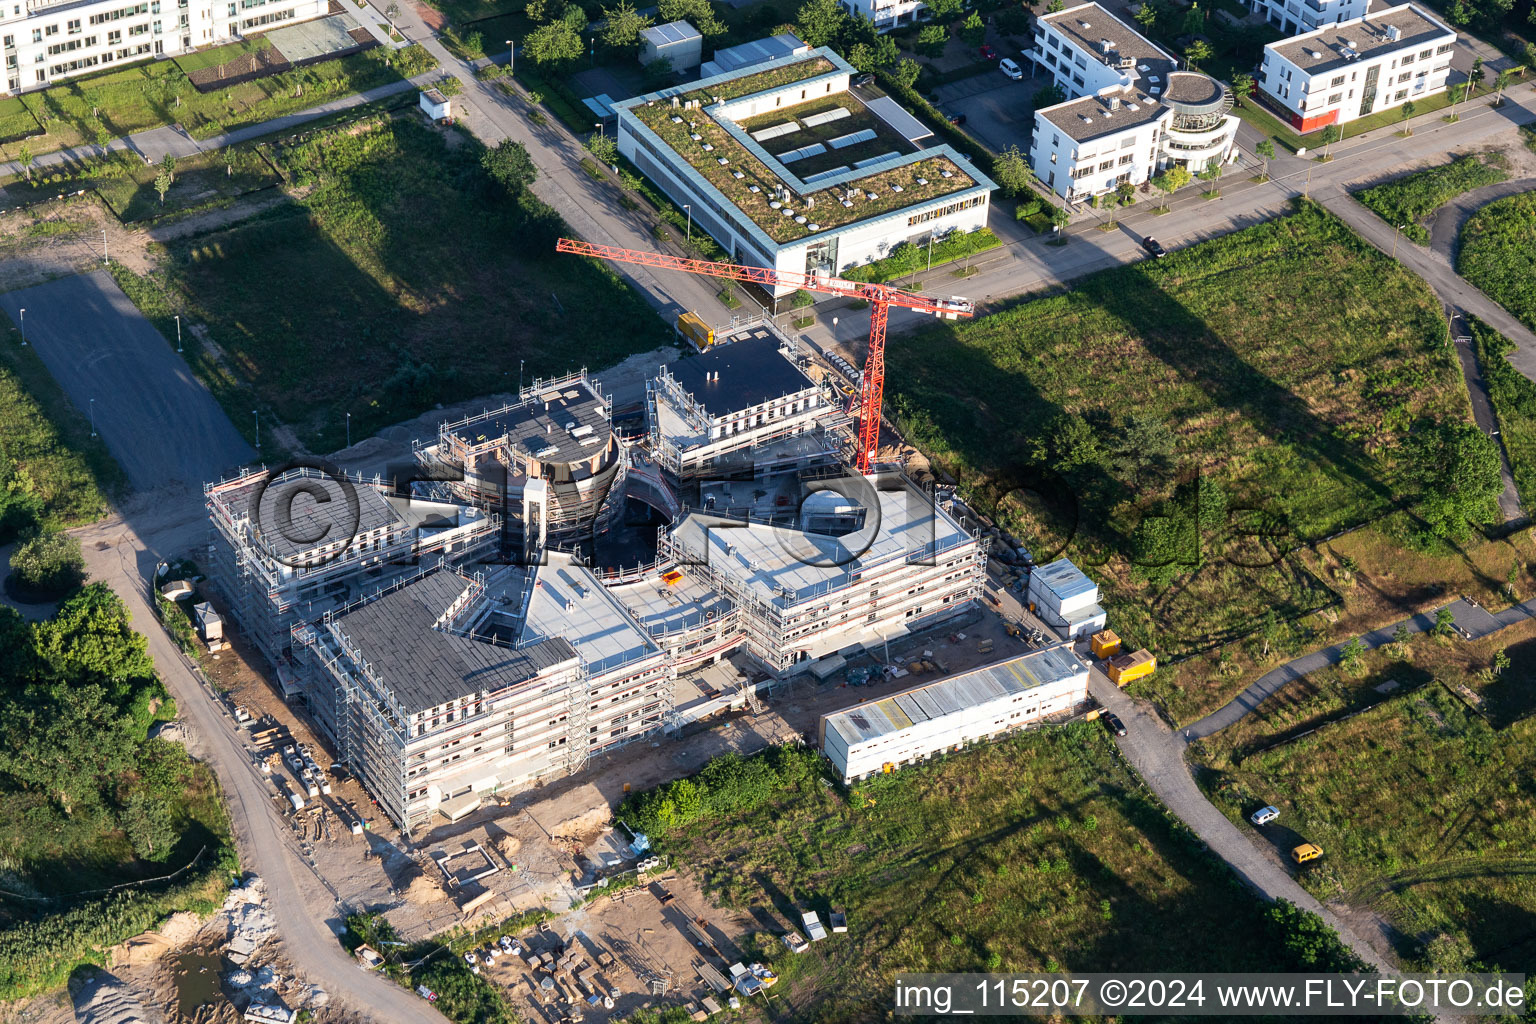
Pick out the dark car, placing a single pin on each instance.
(865, 79)
(1155, 250)
(987, 53)
(1114, 724)
(954, 117)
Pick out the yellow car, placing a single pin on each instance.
(1306, 852)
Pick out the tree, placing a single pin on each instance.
(1266, 149)
(162, 185)
(931, 40)
(1500, 83)
(1445, 624)
(604, 147)
(552, 44)
(973, 30)
(1143, 442)
(1331, 134)
(1197, 53)
(1211, 175)
(1146, 15)
(65, 740)
(1126, 193)
(907, 72)
(168, 165)
(390, 14)
(147, 824)
(622, 25)
(25, 156)
(1243, 86)
(944, 10)
(1012, 172)
(1048, 97)
(1067, 443)
(49, 564)
(1475, 76)
(1308, 942)
(1170, 181)
(1458, 472)
(659, 72)
(1194, 20)
(1352, 657)
(820, 21)
(1055, 7)
(1500, 661)
(1060, 218)
(510, 165)
(698, 13)
(1407, 112)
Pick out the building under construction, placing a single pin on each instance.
(287, 548)
(550, 460)
(451, 687)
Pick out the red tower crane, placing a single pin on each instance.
(881, 297)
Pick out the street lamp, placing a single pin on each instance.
(178, 332)
(258, 428)
(93, 417)
(511, 55)
(23, 326)
(104, 246)
(349, 430)
(690, 220)
(599, 126)
(1395, 229)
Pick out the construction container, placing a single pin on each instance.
(1127, 668)
(984, 646)
(1104, 644)
(692, 326)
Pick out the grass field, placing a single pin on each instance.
(1110, 400)
(1379, 579)
(414, 280)
(1424, 809)
(1411, 198)
(16, 121)
(83, 111)
(1496, 254)
(1038, 853)
(212, 57)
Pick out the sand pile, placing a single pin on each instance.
(423, 890)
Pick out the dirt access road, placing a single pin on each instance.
(122, 551)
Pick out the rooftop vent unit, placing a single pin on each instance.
(1394, 33)
(1106, 46)
(1114, 103)
(1085, 25)
(1314, 54)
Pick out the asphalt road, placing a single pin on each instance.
(116, 554)
(160, 423)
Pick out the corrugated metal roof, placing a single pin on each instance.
(864, 722)
(892, 113)
(1063, 579)
(671, 32)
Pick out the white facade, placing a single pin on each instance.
(1350, 70)
(47, 42)
(886, 14)
(945, 716)
(828, 251)
(1130, 115)
(1292, 16)
(1064, 598)
(676, 41)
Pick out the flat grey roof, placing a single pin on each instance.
(895, 115)
(1366, 36)
(752, 371)
(542, 424)
(425, 667)
(931, 701)
(301, 510)
(784, 44)
(788, 566)
(664, 608)
(566, 602)
(1090, 117)
(1063, 579)
(671, 32)
(1090, 25)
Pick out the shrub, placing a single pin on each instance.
(1408, 199)
(727, 785)
(1496, 249)
(49, 564)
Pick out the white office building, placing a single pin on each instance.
(1356, 68)
(46, 42)
(1063, 597)
(1293, 16)
(788, 169)
(945, 716)
(886, 14)
(1130, 114)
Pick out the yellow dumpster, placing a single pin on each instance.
(1127, 668)
(1104, 644)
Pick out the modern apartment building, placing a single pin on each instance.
(862, 568)
(1346, 71)
(788, 169)
(1293, 16)
(1131, 114)
(45, 41)
(886, 14)
(448, 688)
(946, 716)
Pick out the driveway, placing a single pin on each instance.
(1445, 227)
(997, 109)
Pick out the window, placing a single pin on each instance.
(1335, 99)
(114, 37)
(1401, 94)
(10, 42)
(1409, 59)
(74, 26)
(1446, 48)
(1338, 80)
(51, 30)
(1055, 139)
(1426, 54)
(1127, 159)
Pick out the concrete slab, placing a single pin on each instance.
(158, 420)
(313, 39)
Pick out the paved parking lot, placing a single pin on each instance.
(997, 109)
(160, 422)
